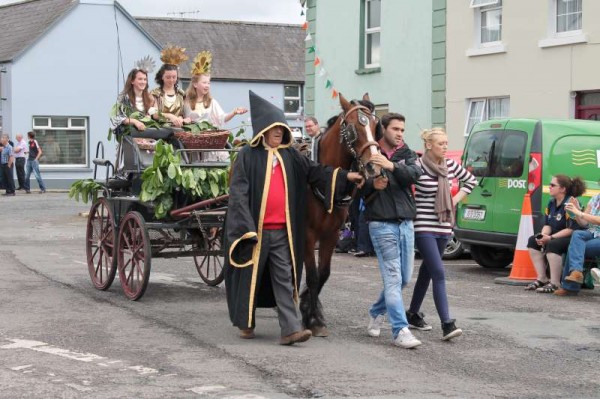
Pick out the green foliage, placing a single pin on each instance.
(166, 176)
(86, 190)
(140, 116)
(199, 127)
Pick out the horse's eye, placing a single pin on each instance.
(363, 120)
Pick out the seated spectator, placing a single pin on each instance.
(555, 236)
(584, 244)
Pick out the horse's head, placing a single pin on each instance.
(357, 131)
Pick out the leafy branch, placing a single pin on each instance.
(85, 190)
(166, 176)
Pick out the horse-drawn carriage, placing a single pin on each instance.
(123, 233)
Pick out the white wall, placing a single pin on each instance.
(72, 71)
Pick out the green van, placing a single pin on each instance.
(511, 157)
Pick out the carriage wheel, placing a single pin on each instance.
(210, 265)
(100, 245)
(134, 255)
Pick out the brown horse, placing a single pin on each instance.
(350, 140)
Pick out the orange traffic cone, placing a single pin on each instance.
(522, 266)
(522, 271)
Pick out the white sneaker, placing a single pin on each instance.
(595, 274)
(405, 339)
(374, 329)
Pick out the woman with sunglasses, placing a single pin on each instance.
(553, 241)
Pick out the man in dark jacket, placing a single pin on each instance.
(265, 227)
(390, 210)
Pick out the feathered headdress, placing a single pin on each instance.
(145, 64)
(202, 63)
(173, 55)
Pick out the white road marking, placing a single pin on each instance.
(45, 348)
(80, 262)
(170, 279)
(206, 389)
(143, 370)
(246, 396)
(80, 388)
(21, 367)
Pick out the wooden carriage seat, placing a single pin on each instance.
(135, 157)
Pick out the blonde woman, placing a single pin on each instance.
(200, 106)
(433, 226)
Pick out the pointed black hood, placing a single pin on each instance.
(265, 116)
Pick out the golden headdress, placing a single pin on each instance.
(202, 63)
(173, 55)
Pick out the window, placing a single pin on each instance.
(490, 26)
(568, 15)
(63, 140)
(381, 109)
(291, 99)
(481, 109)
(372, 33)
(496, 153)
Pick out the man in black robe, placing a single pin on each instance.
(265, 226)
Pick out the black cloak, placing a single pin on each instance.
(247, 285)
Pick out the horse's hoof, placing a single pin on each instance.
(320, 332)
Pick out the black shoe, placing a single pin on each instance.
(9, 194)
(362, 254)
(449, 330)
(28, 191)
(20, 188)
(417, 321)
(352, 251)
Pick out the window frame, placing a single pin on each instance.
(484, 4)
(70, 127)
(370, 31)
(555, 15)
(484, 9)
(299, 99)
(485, 111)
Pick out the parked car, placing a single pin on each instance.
(512, 157)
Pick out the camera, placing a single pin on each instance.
(539, 236)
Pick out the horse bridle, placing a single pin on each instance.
(349, 135)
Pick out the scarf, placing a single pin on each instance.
(443, 201)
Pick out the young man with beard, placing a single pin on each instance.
(390, 210)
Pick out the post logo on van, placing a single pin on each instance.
(512, 183)
(585, 157)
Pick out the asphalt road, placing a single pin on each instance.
(61, 338)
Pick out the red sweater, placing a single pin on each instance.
(275, 212)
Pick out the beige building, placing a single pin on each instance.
(520, 58)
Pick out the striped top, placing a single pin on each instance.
(425, 191)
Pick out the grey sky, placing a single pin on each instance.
(279, 11)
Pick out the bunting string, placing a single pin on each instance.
(318, 62)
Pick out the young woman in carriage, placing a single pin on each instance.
(168, 96)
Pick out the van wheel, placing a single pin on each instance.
(490, 257)
(454, 249)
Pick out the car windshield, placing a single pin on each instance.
(496, 153)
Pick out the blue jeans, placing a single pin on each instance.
(363, 239)
(583, 245)
(394, 244)
(33, 166)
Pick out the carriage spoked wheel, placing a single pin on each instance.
(210, 265)
(134, 255)
(100, 240)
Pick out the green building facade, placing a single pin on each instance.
(392, 49)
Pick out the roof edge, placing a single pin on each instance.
(42, 34)
(233, 22)
(134, 21)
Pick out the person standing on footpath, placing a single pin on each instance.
(390, 210)
(265, 223)
(6, 161)
(21, 151)
(33, 164)
(433, 227)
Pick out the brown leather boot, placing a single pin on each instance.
(575, 276)
(298, 336)
(563, 292)
(247, 333)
